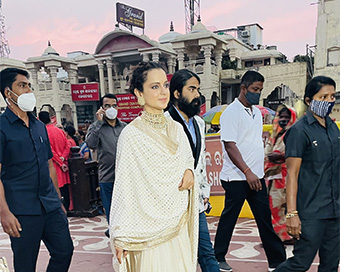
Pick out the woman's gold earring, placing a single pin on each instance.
(141, 100)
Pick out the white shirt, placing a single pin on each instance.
(244, 127)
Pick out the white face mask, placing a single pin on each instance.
(26, 102)
(111, 113)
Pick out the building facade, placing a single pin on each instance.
(220, 59)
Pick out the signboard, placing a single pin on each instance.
(129, 16)
(214, 160)
(128, 107)
(85, 92)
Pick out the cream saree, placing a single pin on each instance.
(150, 218)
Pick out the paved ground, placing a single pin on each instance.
(92, 250)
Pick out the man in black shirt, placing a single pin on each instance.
(30, 208)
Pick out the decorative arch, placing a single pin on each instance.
(118, 40)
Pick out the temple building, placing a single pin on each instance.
(219, 58)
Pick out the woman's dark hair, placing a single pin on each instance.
(250, 77)
(286, 110)
(82, 134)
(178, 81)
(140, 73)
(71, 131)
(8, 76)
(44, 117)
(315, 85)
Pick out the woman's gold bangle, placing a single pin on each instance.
(291, 214)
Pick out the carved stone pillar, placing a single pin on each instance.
(75, 117)
(192, 61)
(145, 57)
(53, 73)
(171, 64)
(109, 74)
(155, 56)
(207, 59)
(180, 58)
(115, 69)
(218, 59)
(101, 77)
(73, 76)
(34, 76)
(58, 116)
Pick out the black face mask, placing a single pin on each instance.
(283, 123)
(190, 109)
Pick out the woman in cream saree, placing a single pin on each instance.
(153, 220)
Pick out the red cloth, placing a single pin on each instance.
(60, 148)
(71, 143)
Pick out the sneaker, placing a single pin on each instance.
(225, 267)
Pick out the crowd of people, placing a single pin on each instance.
(153, 181)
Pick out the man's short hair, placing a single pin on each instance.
(8, 76)
(109, 95)
(250, 77)
(178, 81)
(44, 117)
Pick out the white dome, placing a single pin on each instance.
(199, 27)
(50, 51)
(168, 37)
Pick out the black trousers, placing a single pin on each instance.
(317, 235)
(52, 229)
(236, 192)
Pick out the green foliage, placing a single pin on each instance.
(303, 58)
(228, 64)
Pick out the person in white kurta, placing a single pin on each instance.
(152, 219)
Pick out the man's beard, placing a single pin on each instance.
(189, 108)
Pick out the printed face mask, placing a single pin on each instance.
(111, 113)
(26, 102)
(321, 108)
(253, 98)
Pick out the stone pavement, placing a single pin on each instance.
(93, 254)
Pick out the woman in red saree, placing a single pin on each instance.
(276, 171)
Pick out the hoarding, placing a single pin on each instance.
(130, 16)
(128, 107)
(85, 92)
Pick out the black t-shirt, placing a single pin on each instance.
(318, 183)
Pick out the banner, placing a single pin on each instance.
(85, 92)
(128, 107)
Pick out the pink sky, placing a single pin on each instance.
(73, 25)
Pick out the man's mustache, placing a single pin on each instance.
(196, 101)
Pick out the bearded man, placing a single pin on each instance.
(184, 108)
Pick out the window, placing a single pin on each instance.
(333, 56)
(257, 62)
(248, 63)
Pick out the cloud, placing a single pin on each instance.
(65, 34)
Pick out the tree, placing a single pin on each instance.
(228, 64)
